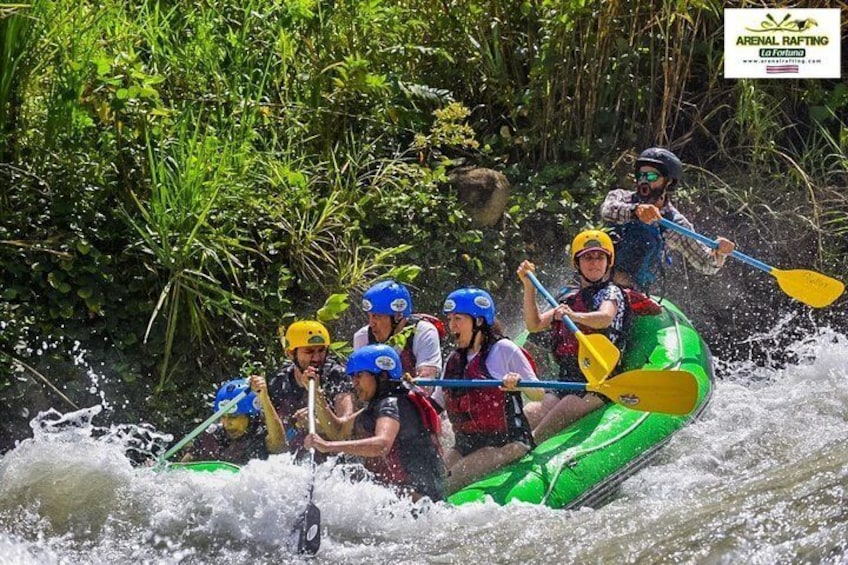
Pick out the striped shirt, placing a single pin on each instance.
(618, 208)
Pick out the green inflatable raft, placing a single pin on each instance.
(204, 466)
(585, 463)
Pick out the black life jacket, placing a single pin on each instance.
(394, 467)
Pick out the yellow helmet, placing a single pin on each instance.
(591, 240)
(306, 333)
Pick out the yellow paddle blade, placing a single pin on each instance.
(811, 288)
(596, 356)
(669, 392)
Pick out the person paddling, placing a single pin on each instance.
(307, 345)
(241, 435)
(640, 244)
(489, 425)
(390, 320)
(396, 433)
(598, 305)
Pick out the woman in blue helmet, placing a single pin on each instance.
(640, 244)
(242, 435)
(397, 432)
(489, 425)
(390, 320)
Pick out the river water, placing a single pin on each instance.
(761, 478)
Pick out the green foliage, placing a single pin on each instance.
(268, 158)
(197, 259)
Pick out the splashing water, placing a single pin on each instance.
(761, 478)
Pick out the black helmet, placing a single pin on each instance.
(665, 161)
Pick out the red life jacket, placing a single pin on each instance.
(641, 304)
(478, 410)
(564, 343)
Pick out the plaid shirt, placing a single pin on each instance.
(618, 208)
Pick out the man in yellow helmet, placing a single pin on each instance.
(307, 345)
(597, 306)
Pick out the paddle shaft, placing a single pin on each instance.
(475, 383)
(713, 244)
(310, 411)
(648, 390)
(206, 423)
(308, 527)
(552, 301)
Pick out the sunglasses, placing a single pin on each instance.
(649, 176)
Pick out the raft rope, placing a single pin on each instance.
(571, 455)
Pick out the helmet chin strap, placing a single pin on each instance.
(395, 322)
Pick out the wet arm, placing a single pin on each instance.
(275, 440)
(701, 257)
(337, 424)
(533, 320)
(378, 445)
(600, 319)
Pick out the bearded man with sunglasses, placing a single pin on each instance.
(641, 246)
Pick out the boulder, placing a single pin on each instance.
(484, 191)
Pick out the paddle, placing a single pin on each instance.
(647, 390)
(811, 288)
(308, 525)
(596, 354)
(199, 429)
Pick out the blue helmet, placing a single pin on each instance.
(375, 359)
(387, 297)
(249, 405)
(474, 302)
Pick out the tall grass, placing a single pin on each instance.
(197, 261)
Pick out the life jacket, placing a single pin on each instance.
(484, 410)
(217, 445)
(286, 407)
(391, 468)
(407, 357)
(564, 343)
(641, 304)
(640, 251)
(288, 397)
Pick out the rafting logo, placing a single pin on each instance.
(628, 399)
(366, 305)
(482, 302)
(786, 24)
(385, 362)
(398, 305)
(780, 43)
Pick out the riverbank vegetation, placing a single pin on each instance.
(177, 179)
